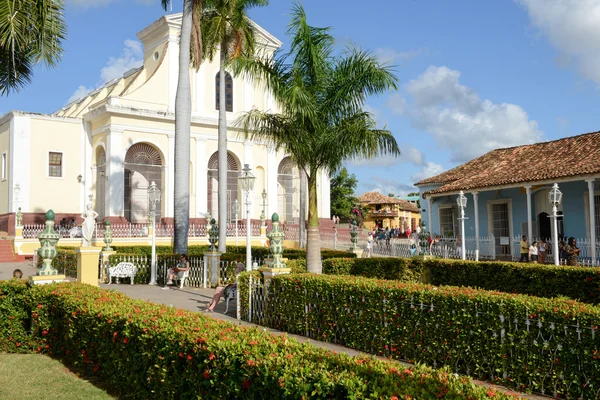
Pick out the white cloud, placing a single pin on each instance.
(388, 56)
(132, 56)
(427, 171)
(80, 92)
(396, 103)
(408, 155)
(460, 120)
(573, 28)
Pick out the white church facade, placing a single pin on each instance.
(110, 144)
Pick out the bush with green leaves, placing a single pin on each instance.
(401, 269)
(15, 323)
(143, 350)
(549, 346)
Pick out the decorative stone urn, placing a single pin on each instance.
(354, 236)
(276, 237)
(107, 237)
(48, 239)
(19, 217)
(213, 235)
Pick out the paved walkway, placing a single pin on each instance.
(197, 300)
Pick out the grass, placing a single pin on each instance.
(34, 376)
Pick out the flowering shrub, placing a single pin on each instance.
(150, 351)
(544, 345)
(15, 318)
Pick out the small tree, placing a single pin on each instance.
(342, 193)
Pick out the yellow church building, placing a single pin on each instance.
(110, 144)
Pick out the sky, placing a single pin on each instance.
(474, 75)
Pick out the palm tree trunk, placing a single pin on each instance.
(183, 118)
(302, 216)
(222, 148)
(313, 249)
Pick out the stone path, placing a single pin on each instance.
(197, 300)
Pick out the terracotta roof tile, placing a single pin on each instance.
(379, 198)
(572, 156)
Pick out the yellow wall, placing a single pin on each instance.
(59, 194)
(5, 147)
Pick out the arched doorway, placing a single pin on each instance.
(545, 227)
(288, 192)
(143, 164)
(233, 172)
(100, 181)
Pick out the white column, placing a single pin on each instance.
(19, 155)
(115, 172)
(592, 207)
(272, 182)
(476, 210)
(170, 183)
(529, 227)
(248, 154)
(87, 166)
(201, 178)
(429, 212)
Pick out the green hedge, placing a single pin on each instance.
(538, 344)
(401, 269)
(144, 350)
(578, 283)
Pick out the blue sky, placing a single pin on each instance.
(475, 75)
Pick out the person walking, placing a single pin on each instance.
(542, 251)
(533, 252)
(524, 250)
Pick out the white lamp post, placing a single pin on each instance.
(555, 196)
(461, 200)
(246, 181)
(236, 210)
(263, 217)
(153, 198)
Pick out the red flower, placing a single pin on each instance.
(40, 306)
(189, 357)
(18, 344)
(394, 398)
(44, 332)
(212, 357)
(206, 375)
(96, 367)
(246, 384)
(126, 340)
(251, 363)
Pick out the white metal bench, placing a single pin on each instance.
(231, 295)
(122, 270)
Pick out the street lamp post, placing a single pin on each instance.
(461, 200)
(236, 210)
(555, 196)
(263, 216)
(246, 181)
(153, 198)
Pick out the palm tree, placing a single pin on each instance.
(227, 28)
(190, 48)
(322, 122)
(31, 32)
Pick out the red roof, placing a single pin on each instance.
(379, 198)
(562, 158)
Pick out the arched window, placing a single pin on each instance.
(288, 191)
(233, 172)
(143, 164)
(228, 92)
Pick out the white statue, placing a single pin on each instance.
(88, 225)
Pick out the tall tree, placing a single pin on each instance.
(322, 98)
(31, 32)
(342, 193)
(190, 54)
(228, 30)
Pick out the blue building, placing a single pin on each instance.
(508, 196)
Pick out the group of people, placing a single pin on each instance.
(537, 252)
(183, 266)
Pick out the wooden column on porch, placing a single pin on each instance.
(592, 207)
(476, 205)
(429, 211)
(529, 227)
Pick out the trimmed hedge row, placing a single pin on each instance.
(529, 343)
(15, 323)
(144, 350)
(578, 283)
(401, 269)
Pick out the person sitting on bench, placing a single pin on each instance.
(177, 271)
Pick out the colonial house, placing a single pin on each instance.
(508, 190)
(389, 212)
(111, 144)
